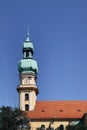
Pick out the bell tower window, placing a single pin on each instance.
(27, 54)
(26, 107)
(26, 96)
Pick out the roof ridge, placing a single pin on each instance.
(61, 100)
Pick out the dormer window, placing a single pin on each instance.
(61, 110)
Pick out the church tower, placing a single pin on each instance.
(28, 70)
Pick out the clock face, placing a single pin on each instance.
(26, 80)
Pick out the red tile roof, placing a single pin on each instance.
(58, 110)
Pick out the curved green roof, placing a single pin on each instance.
(28, 45)
(28, 65)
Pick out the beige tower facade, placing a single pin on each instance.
(28, 70)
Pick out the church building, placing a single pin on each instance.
(56, 115)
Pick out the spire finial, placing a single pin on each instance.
(28, 34)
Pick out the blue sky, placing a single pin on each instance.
(58, 30)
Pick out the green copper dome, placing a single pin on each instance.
(28, 64)
(28, 44)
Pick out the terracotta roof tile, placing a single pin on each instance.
(58, 110)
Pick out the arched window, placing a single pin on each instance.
(26, 96)
(42, 127)
(26, 107)
(61, 127)
(27, 54)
